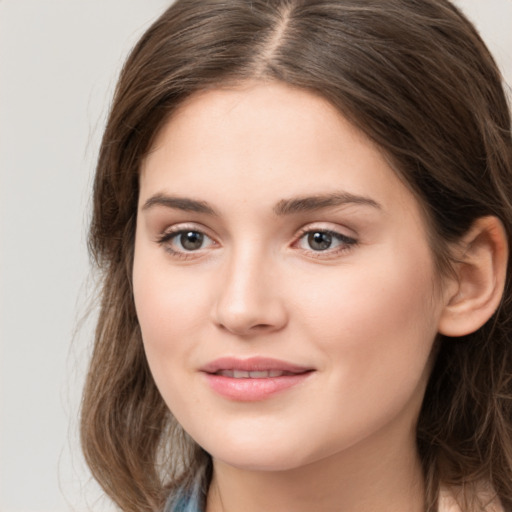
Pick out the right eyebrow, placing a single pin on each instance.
(179, 203)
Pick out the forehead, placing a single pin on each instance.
(264, 142)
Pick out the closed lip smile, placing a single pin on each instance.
(253, 379)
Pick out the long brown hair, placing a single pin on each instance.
(417, 79)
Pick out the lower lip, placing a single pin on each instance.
(252, 390)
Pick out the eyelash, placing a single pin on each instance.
(346, 243)
(167, 237)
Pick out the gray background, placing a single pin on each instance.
(58, 65)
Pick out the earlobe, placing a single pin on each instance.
(480, 272)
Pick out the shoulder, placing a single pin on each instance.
(450, 499)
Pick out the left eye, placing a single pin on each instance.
(320, 241)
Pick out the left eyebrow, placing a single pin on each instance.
(318, 202)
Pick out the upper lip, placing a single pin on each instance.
(253, 364)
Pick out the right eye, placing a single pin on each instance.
(183, 241)
(189, 240)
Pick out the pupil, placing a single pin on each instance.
(319, 241)
(192, 240)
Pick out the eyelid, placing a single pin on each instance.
(167, 235)
(348, 242)
(345, 241)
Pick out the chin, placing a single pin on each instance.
(262, 458)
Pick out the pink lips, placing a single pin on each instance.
(253, 379)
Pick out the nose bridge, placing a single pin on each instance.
(248, 296)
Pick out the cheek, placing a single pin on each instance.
(167, 305)
(376, 320)
(376, 329)
(168, 311)
(167, 315)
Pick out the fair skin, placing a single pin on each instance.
(269, 227)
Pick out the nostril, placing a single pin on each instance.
(261, 327)
(244, 328)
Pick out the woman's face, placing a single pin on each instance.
(283, 281)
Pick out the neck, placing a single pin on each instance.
(370, 478)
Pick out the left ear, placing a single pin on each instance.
(480, 269)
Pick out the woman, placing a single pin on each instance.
(302, 214)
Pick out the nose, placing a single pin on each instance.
(248, 300)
